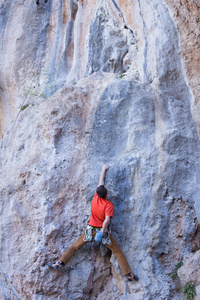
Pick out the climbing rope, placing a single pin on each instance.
(92, 263)
(8, 282)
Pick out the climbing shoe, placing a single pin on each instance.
(37, 2)
(56, 265)
(132, 277)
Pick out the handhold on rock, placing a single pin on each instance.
(38, 2)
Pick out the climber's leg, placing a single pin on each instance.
(122, 261)
(67, 255)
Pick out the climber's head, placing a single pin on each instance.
(102, 191)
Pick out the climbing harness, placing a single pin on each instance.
(88, 235)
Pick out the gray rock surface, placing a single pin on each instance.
(83, 84)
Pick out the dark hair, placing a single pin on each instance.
(101, 191)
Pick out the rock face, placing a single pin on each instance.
(83, 83)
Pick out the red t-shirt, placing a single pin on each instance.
(99, 210)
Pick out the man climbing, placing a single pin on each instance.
(97, 229)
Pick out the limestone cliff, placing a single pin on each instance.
(83, 83)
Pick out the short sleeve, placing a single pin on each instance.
(109, 210)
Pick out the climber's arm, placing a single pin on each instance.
(105, 224)
(103, 173)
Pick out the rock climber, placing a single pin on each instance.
(98, 229)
